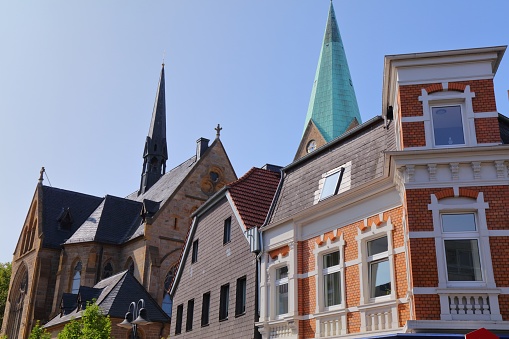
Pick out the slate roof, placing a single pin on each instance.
(114, 295)
(54, 201)
(364, 145)
(253, 194)
(167, 184)
(114, 221)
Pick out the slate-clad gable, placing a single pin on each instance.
(55, 200)
(364, 146)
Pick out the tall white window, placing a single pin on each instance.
(331, 279)
(379, 271)
(447, 125)
(282, 290)
(461, 246)
(76, 279)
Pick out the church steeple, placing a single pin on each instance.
(155, 153)
(333, 106)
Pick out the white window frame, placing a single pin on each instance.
(442, 99)
(343, 185)
(277, 284)
(320, 252)
(374, 232)
(460, 205)
(463, 124)
(375, 259)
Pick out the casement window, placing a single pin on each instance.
(448, 126)
(178, 322)
(224, 302)
(379, 271)
(227, 230)
(205, 308)
(332, 183)
(190, 313)
(331, 279)
(194, 257)
(240, 300)
(281, 285)
(461, 245)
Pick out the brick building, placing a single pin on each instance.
(399, 225)
(71, 241)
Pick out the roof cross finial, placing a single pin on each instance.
(41, 175)
(218, 131)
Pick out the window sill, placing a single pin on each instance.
(220, 320)
(204, 325)
(240, 314)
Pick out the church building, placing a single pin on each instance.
(73, 247)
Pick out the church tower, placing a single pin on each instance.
(155, 153)
(333, 106)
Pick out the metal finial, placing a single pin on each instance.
(164, 55)
(41, 175)
(218, 131)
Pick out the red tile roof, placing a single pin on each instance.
(253, 194)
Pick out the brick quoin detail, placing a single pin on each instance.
(427, 306)
(413, 134)
(487, 130)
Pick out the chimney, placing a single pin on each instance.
(272, 168)
(202, 145)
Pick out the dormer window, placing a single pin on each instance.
(331, 184)
(447, 125)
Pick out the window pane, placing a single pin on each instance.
(240, 302)
(282, 299)
(205, 309)
(331, 259)
(447, 125)
(458, 222)
(282, 273)
(329, 186)
(377, 246)
(227, 230)
(380, 278)
(224, 302)
(332, 289)
(463, 262)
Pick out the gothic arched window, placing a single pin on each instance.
(17, 301)
(107, 271)
(76, 278)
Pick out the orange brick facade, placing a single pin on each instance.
(413, 133)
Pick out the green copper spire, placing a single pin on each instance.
(333, 105)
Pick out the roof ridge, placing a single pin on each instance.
(69, 191)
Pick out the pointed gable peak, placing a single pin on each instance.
(332, 29)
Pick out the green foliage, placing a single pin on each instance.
(92, 325)
(5, 278)
(39, 333)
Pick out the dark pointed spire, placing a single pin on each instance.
(333, 105)
(155, 153)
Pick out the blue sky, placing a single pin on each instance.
(78, 80)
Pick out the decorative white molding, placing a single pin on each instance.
(455, 169)
(410, 171)
(432, 170)
(476, 167)
(501, 169)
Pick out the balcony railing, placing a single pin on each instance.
(469, 305)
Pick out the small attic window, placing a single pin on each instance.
(65, 219)
(331, 184)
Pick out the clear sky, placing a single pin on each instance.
(78, 80)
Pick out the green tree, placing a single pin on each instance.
(39, 333)
(92, 325)
(5, 278)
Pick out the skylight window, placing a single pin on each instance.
(331, 184)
